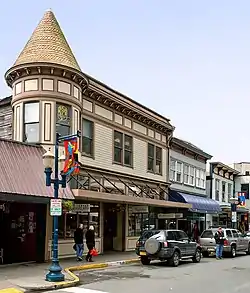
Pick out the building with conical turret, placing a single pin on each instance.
(123, 149)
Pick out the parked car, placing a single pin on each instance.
(170, 245)
(234, 242)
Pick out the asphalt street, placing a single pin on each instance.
(224, 276)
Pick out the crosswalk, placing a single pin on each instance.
(78, 290)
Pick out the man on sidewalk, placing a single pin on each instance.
(219, 239)
(78, 238)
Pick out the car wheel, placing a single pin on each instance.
(197, 256)
(233, 251)
(175, 259)
(248, 249)
(205, 254)
(145, 260)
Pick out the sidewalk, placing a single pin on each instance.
(33, 275)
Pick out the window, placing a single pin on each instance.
(245, 188)
(217, 189)
(229, 233)
(123, 149)
(181, 236)
(223, 190)
(31, 122)
(229, 190)
(171, 235)
(87, 137)
(189, 174)
(154, 159)
(176, 171)
(200, 178)
(69, 221)
(247, 173)
(63, 119)
(207, 234)
(235, 234)
(140, 222)
(172, 170)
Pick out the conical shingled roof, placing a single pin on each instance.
(48, 44)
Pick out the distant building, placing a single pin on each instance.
(188, 183)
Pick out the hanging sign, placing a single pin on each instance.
(55, 207)
(138, 209)
(81, 208)
(71, 165)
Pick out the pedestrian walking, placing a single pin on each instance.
(78, 238)
(196, 233)
(90, 241)
(219, 239)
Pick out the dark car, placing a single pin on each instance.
(170, 245)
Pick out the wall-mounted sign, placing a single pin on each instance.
(81, 208)
(241, 199)
(138, 209)
(170, 216)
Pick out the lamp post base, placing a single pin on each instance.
(55, 273)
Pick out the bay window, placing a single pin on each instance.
(189, 174)
(201, 178)
(176, 171)
(31, 122)
(63, 119)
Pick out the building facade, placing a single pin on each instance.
(221, 187)
(188, 184)
(124, 147)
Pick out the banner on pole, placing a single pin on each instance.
(71, 165)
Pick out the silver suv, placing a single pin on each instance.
(234, 242)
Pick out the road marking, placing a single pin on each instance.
(10, 290)
(80, 290)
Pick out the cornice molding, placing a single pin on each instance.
(128, 110)
(33, 69)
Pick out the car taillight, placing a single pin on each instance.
(226, 242)
(165, 244)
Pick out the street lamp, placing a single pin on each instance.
(49, 159)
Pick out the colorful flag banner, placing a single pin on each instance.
(71, 165)
(241, 199)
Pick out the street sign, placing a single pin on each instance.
(234, 217)
(55, 207)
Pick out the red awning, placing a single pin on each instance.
(22, 171)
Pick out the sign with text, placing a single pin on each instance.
(55, 207)
(170, 216)
(81, 208)
(138, 209)
(234, 217)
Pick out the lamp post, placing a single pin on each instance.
(49, 159)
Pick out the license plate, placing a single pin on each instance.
(143, 253)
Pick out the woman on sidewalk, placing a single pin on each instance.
(90, 241)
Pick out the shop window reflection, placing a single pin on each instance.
(68, 222)
(139, 222)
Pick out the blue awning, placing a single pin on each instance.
(200, 204)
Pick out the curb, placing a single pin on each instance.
(75, 280)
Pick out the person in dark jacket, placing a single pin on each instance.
(90, 241)
(219, 239)
(78, 238)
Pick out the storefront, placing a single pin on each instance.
(82, 212)
(23, 232)
(202, 210)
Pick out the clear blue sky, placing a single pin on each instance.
(186, 59)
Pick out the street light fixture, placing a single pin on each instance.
(49, 159)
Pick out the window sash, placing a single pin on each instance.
(87, 137)
(154, 159)
(122, 152)
(31, 113)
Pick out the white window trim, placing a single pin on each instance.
(176, 171)
(189, 175)
(202, 186)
